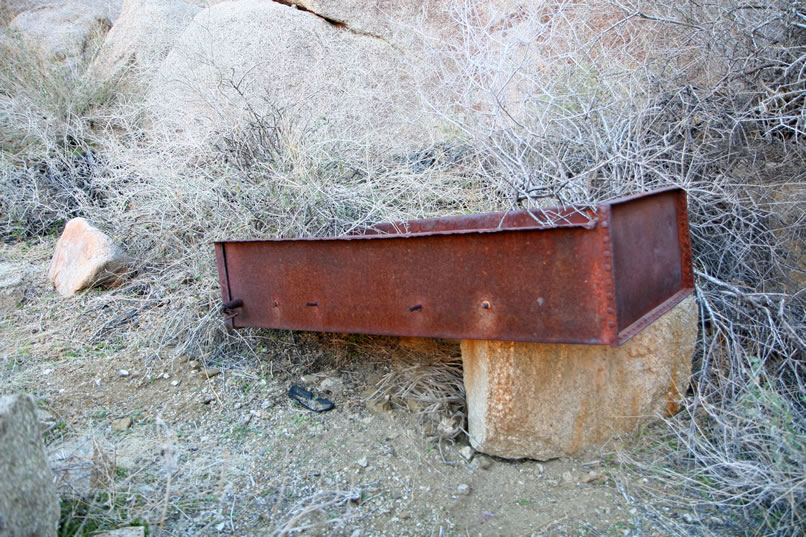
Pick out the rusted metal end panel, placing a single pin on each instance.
(651, 257)
(524, 285)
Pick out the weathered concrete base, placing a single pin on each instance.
(541, 401)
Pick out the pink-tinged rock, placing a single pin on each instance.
(544, 400)
(85, 257)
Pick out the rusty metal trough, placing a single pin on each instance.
(595, 277)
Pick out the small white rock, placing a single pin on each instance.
(333, 385)
(463, 489)
(176, 382)
(362, 462)
(592, 476)
(467, 452)
(166, 376)
(123, 373)
(121, 424)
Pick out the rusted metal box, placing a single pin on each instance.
(596, 276)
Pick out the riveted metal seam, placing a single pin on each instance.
(684, 238)
(606, 268)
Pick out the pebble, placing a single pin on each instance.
(333, 385)
(362, 462)
(176, 382)
(466, 452)
(540, 469)
(212, 372)
(463, 489)
(121, 424)
(593, 475)
(485, 463)
(123, 373)
(688, 518)
(166, 376)
(193, 364)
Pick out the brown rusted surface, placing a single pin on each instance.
(651, 257)
(493, 276)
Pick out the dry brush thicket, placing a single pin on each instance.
(583, 105)
(559, 104)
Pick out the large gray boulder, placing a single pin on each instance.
(393, 20)
(237, 61)
(401, 22)
(29, 505)
(143, 35)
(11, 8)
(63, 33)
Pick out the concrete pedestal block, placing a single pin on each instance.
(542, 400)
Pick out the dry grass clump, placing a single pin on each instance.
(429, 384)
(50, 129)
